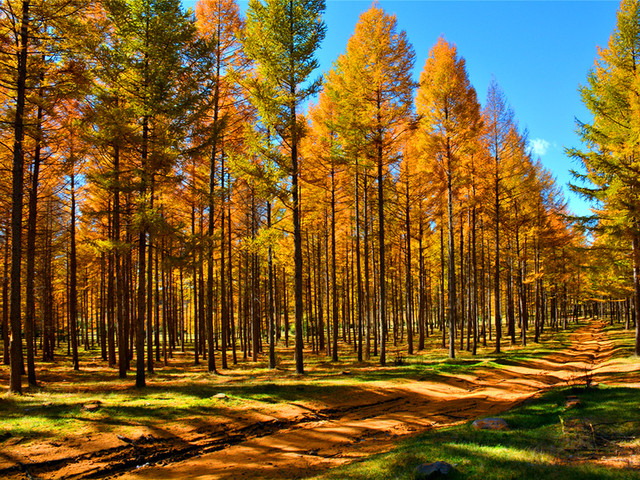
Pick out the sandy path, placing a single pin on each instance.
(301, 450)
(296, 442)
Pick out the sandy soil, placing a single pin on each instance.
(295, 441)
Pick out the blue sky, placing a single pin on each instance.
(539, 52)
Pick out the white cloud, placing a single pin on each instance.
(539, 146)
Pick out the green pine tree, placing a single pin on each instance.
(611, 157)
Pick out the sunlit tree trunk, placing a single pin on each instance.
(381, 242)
(636, 286)
(408, 277)
(270, 313)
(73, 274)
(452, 261)
(31, 248)
(15, 381)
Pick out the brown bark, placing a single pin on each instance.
(358, 264)
(15, 382)
(636, 288)
(73, 275)
(31, 248)
(408, 277)
(452, 264)
(5, 300)
(381, 243)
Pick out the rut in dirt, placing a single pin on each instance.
(149, 450)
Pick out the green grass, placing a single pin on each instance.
(546, 440)
(181, 392)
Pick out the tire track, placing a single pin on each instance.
(149, 450)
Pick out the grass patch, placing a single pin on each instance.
(182, 392)
(547, 440)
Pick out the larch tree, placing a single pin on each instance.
(449, 122)
(281, 36)
(375, 76)
(156, 40)
(499, 124)
(35, 36)
(611, 156)
(325, 151)
(15, 384)
(219, 21)
(342, 136)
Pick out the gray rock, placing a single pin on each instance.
(433, 470)
(91, 407)
(220, 395)
(490, 424)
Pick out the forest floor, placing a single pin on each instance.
(255, 423)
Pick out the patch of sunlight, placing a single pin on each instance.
(501, 453)
(633, 444)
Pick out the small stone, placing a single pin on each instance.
(490, 424)
(345, 372)
(433, 470)
(220, 395)
(91, 407)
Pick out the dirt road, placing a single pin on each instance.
(296, 441)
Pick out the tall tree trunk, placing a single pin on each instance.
(5, 300)
(452, 264)
(286, 307)
(231, 309)
(224, 314)
(15, 382)
(297, 239)
(255, 280)
(497, 259)
(151, 279)
(408, 277)
(367, 291)
(636, 286)
(441, 299)
(212, 184)
(210, 279)
(128, 291)
(381, 246)
(195, 292)
(538, 313)
(119, 291)
(358, 266)
(422, 304)
(142, 241)
(270, 313)
(73, 274)
(462, 285)
(31, 247)
(334, 280)
(327, 284)
(48, 326)
(474, 278)
(524, 320)
(511, 316)
(108, 304)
